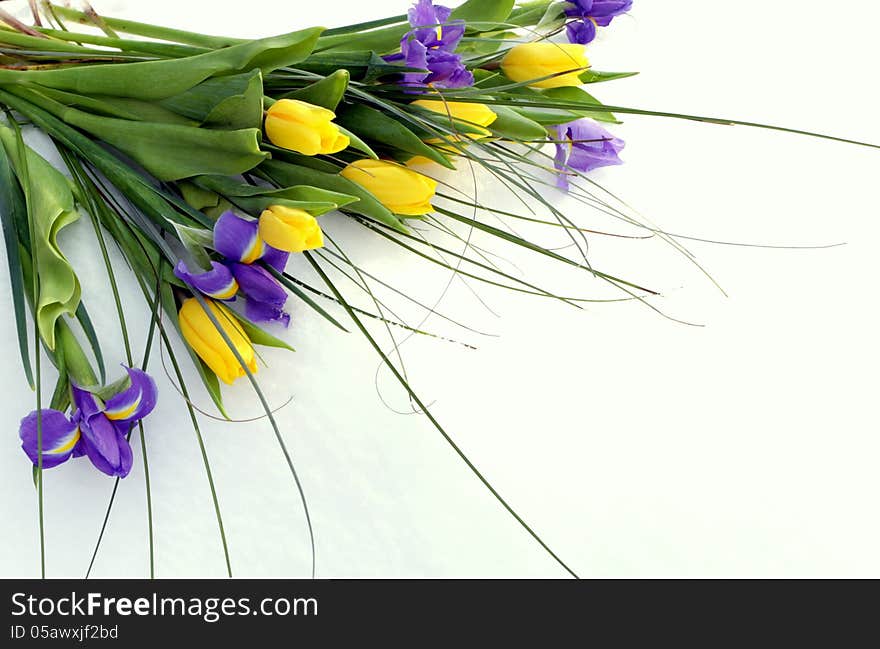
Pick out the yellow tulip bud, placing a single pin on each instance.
(304, 128)
(401, 190)
(207, 342)
(530, 61)
(290, 229)
(473, 115)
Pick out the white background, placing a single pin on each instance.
(636, 446)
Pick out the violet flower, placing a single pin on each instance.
(582, 146)
(96, 428)
(592, 13)
(238, 240)
(264, 296)
(430, 46)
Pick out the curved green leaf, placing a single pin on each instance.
(52, 207)
(327, 92)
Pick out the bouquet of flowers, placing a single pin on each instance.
(209, 160)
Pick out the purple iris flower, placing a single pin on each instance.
(592, 13)
(264, 296)
(583, 146)
(96, 428)
(217, 283)
(430, 46)
(237, 238)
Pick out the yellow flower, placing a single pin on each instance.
(290, 229)
(473, 115)
(206, 341)
(530, 61)
(304, 128)
(401, 190)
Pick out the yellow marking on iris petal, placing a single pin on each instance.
(226, 293)
(124, 413)
(254, 252)
(74, 438)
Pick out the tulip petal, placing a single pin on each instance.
(135, 402)
(59, 437)
(217, 283)
(208, 343)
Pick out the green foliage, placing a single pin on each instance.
(51, 208)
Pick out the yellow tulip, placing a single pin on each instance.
(304, 128)
(207, 342)
(473, 115)
(290, 229)
(530, 61)
(401, 190)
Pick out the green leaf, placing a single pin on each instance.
(52, 207)
(357, 143)
(152, 80)
(327, 92)
(196, 196)
(167, 151)
(229, 102)
(89, 330)
(490, 11)
(382, 40)
(381, 128)
(75, 359)
(363, 66)
(254, 199)
(595, 76)
(286, 174)
(260, 336)
(579, 95)
(195, 240)
(513, 126)
(13, 215)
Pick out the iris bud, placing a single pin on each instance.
(530, 61)
(304, 128)
(206, 341)
(401, 190)
(290, 229)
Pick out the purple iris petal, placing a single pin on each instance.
(217, 283)
(135, 402)
(584, 146)
(237, 238)
(104, 444)
(264, 312)
(592, 13)
(581, 31)
(258, 284)
(101, 439)
(59, 437)
(275, 258)
(430, 45)
(87, 404)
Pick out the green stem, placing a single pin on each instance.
(149, 31)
